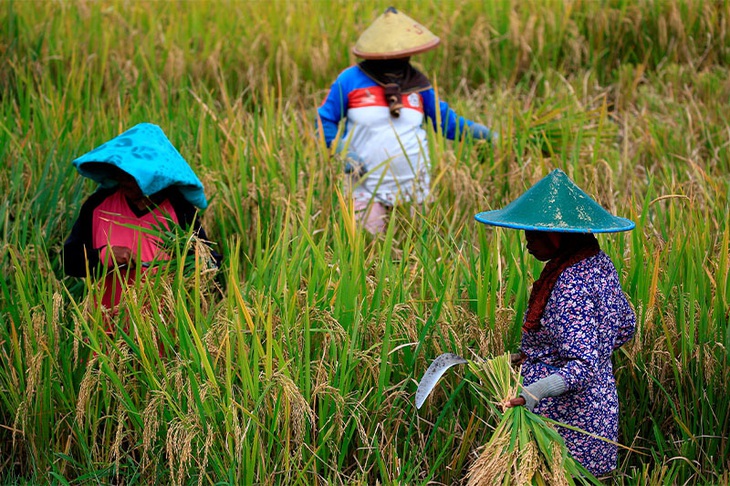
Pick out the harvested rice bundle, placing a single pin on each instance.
(524, 448)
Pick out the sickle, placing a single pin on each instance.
(434, 372)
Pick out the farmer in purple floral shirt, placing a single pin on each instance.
(576, 316)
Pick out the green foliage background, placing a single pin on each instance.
(297, 364)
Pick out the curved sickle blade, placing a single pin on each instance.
(434, 372)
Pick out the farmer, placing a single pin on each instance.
(385, 101)
(145, 187)
(577, 315)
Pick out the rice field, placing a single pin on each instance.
(297, 362)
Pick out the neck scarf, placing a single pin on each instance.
(579, 248)
(397, 77)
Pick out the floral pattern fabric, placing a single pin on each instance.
(586, 318)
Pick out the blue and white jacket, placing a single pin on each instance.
(394, 150)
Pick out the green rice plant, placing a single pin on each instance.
(295, 363)
(560, 130)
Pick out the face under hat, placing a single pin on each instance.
(394, 35)
(145, 153)
(555, 203)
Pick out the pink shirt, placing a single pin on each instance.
(116, 224)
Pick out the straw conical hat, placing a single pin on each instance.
(555, 203)
(145, 153)
(394, 35)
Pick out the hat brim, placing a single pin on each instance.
(396, 54)
(556, 204)
(614, 224)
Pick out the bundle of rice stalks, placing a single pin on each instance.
(524, 449)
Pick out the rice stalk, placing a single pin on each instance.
(182, 432)
(556, 128)
(88, 387)
(151, 420)
(491, 466)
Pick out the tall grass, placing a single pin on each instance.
(296, 364)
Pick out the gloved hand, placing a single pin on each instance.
(550, 386)
(354, 164)
(480, 132)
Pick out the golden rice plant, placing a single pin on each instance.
(556, 127)
(524, 449)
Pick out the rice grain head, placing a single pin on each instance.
(56, 319)
(78, 339)
(557, 466)
(115, 451)
(206, 450)
(527, 464)
(298, 410)
(493, 464)
(89, 384)
(32, 376)
(19, 421)
(151, 424)
(179, 444)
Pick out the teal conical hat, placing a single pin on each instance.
(555, 203)
(145, 153)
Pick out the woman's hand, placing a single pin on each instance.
(515, 402)
(517, 358)
(122, 255)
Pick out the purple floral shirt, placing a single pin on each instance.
(585, 319)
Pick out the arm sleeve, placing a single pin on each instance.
(452, 126)
(331, 112)
(627, 326)
(578, 334)
(550, 386)
(78, 250)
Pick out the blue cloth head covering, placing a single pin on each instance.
(145, 153)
